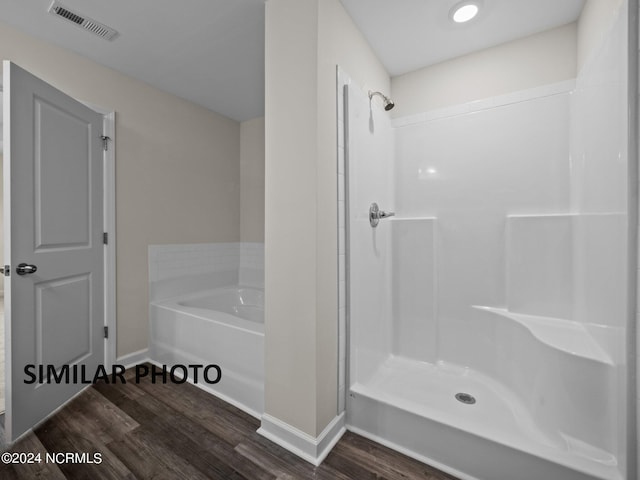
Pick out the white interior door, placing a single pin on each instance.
(53, 205)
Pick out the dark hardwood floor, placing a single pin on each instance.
(146, 431)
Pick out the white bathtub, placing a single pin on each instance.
(224, 326)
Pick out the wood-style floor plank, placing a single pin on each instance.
(386, 462)
(179, 431)
(147, 458)
(57, 437)
(267, 449)
(31, 444)
(201, 408)
(93, 416)
(167, 431)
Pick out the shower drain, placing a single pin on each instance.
(465, 398)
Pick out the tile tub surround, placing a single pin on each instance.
(179, 269)
(251, 270)
(183, 335)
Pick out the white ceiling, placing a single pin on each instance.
(411, 34)
(208, 51)
(211, 52)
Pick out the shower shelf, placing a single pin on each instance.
(562, 334)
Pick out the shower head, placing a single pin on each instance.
(387, 102)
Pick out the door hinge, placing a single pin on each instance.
(105, 142)
(6, 270)
(105, 238)
(106, 332)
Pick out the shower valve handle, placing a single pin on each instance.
(375, 214)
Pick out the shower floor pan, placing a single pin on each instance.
(412, 407)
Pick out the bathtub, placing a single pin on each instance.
(223, 326)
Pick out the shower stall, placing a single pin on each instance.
(487, 322)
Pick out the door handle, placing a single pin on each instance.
(26, 269)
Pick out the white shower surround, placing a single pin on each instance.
(515, 338)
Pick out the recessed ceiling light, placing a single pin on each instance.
(465, 11)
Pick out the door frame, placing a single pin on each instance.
(109, 219)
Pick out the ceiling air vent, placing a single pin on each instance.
(83, 21)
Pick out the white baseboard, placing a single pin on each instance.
(134, 358)
(313, 450)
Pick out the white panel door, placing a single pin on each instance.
(53, 204)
